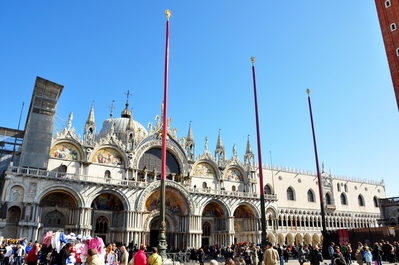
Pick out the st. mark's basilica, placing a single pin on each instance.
(106, 184)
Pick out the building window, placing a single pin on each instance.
(206, 229)
(328, 199)
(346, 188)
(290, 194)
(397, 52)
(204, 185)
(101, 225)
(387, 3)
(393, 26)
(268, 190)
(310, 196)
(343, 199)
(360, 200)
(338, 187)
(233, 188)
(375, 201)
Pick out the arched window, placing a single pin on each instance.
(360, 200)
(397, 52)
(101, 225)
(310, 196)
(290, 194)
(375, 201)
(268, 190)
(107, 174)
(328, 199)
(204, 185)
(387, 3)
(152, 159)
(338, 187)
(393, 26)
(206, 229)
(343, 199)
(233, 188)
(346, 188)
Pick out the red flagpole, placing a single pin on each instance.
(165, 102)
(162, 229)
(262, 193)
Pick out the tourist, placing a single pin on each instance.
(368, 257)
(33, 255)
(193, 255)
(331, 252)
(201, 256)
(359, 257)
(154, 259)
(140, 258)
(270, 256)
(92, 258)
(124, 256)
(315, 256)
(110, 256)
(19, 255)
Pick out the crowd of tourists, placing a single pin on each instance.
(96, 253)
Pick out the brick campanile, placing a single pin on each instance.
(388, 15)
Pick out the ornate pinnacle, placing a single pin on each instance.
(168, 13)
(253, 60)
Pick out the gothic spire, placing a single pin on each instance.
(249, 148)
(190, 136)
(219, 144)
(90, 120)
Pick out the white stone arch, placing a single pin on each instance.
(253, 207)
(228, 211)
(71, 141)
(293, 193)
(315, 239)
(271, 238)
(20, 188)
(240, 169)
(307, 239)
(171, 218)
(298, 239)
(280, 239)
(174, 148)
(125, 158)
(153, 186)
(210, 162)
(61, 187)
(121, 196)
(290, 239)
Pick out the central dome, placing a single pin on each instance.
(120, 126)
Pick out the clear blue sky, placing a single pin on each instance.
(100, 49)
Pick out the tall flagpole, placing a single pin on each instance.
(162, 230)
(323, 215)
(262, 193)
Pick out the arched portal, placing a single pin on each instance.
(213, 220)
(56, 210)
(245, 217)
(154, 233)
(13, 217)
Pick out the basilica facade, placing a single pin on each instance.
(106, 184)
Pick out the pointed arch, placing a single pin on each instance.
(375, 201)
(344, 200)
(328, 199)
(290, 194)
(311, 197)
(267, 189)
(360, 200)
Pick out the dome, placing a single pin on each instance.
(120, 126)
